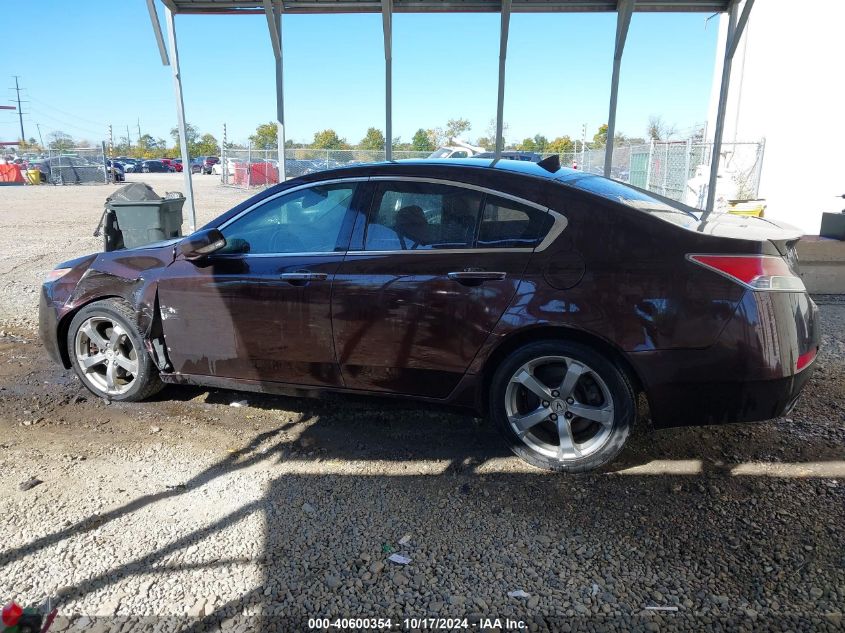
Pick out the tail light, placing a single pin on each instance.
(757, 272)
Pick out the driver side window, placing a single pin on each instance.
(304, 221)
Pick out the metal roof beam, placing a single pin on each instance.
(503, 53)
(444, 6)
(735, 30)
(624, 9)
(387, 27)
(275, 36)
(162, 50)
(180, 114)
(280, 92)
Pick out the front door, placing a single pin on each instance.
(425, 281)
(260, 309)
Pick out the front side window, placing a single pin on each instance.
(304, 221)
(508, 224)
(411, 216)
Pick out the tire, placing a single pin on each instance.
(105, 331)
(549, 433)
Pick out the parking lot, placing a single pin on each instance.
(194, 512)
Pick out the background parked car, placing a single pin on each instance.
(176, 163)
(209, 162)
(513, 155)
(130, 165)
(70, 169)
(118, 170)
(154, 167)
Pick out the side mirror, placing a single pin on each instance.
(201, 244)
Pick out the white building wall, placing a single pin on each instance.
(788, 86)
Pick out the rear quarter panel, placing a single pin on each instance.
(621, 275)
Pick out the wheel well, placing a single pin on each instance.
(554, 332)
(64, 326)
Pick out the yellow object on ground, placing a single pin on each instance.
(33, 177)
(753, 208)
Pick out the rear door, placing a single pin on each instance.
(430, 271)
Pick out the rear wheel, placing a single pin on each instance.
(562, 406)
(107, 353)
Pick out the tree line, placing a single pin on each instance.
(423, 140)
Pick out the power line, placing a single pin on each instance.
(65, 123)
(59, 110)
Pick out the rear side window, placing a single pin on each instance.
(422, 216)
(508, 224)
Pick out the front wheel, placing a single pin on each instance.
(107, 353)
(562, 406)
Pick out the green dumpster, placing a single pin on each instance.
(139, 216)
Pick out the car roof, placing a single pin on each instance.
(519, 167)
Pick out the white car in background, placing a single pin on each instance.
(459, 149)
(217, 168)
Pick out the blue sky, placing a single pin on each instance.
(94, 63)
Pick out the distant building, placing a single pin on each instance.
(788, 86)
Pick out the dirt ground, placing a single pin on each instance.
(194, 513)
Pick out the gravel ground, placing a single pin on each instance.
(189, 512)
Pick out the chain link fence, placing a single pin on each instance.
(72, 166)
(679, 169)
(675, 169)
(260, 168)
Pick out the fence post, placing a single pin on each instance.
(223, 158)
(686, 167)
(761, 149)
(665, 167)
(249, 165)
(648, 165)
(105, 163)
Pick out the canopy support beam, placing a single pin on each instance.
(387, 26)
(735, 30)
(503, 53)
(180, 113)
(274, 24)
(624, 9)
(162, 50)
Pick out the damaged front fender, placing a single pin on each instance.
(130, 275)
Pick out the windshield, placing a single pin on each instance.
(631, 197)
(443, 152)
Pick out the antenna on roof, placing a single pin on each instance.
(551, 164)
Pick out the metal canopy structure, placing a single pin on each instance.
(274, 9)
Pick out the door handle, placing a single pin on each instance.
(302, 277)
(476, 276)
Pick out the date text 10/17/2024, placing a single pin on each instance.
(444, 624)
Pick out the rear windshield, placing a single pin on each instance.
(631, 197)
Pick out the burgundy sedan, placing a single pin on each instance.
(545, 299)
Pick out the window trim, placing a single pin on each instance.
(260, 203)
(559, 224)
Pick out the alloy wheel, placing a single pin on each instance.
(106, 355)
(559, 407)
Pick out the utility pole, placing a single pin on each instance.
(40, 140)
(139, 132)
(20, 112)
(128, 139)
(111, 142)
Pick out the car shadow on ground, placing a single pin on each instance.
(712, 546)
